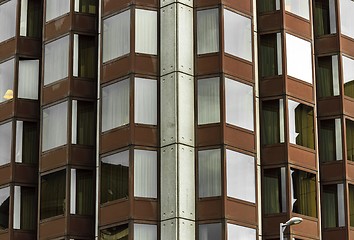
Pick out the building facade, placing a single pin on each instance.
(176, 119)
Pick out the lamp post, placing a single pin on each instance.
(292, 221)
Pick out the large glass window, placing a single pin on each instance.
(324, 17)
(28, 79)
(274, 190)
(54, 128)
(332, 203)
(238, 35)
(209, 164)
(212, 231)
(239, 104)
(208, 100)
(240, 176)
(350, 139)
(56, 60)
(346, 17)
(298, 7)
(116, 36)
(145, 173)
(26, 142)
(117, 233)
(268, 5)
(55, 8)
(5, 143)
(208, 31)
(272, 122)
(81, 192)
(84, 63)
(145, 232)
(299, 58)
(145, 101)
(7, 80)
(25, 208)
(240, 232)
(115, 105)
(83, 123)
(145, 31)
(301, 126)
(330, 140)
(53, 201)
(303, 192)
(86, 6)
(31, 18)
(327, 76)
(270, 55)
(351, 205)
(7, 20)
(4, 208)
(115, 176)
(348, 76)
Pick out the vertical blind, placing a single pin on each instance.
(208, 31)
(145, 101)
(145, 173)
(28, 78)
(145, 232)
(145, 31)
(8, 20)
(240, 233)
(208, 100)
(209, 164)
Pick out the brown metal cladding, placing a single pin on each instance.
(57, 27)
(332, 171)
(210, 208)
(52, 228)
(7, 49)
(272, 86)
(300, 89)
(209, 135)
(112, 6)
(326, 44)
(241, 211)
(302, 156)
(347, 45)
(334, 233)
(268, 22)
(329, 106)
(274, 154)
(297, 25)
(238, 68)
(240, 138)
(5, 174)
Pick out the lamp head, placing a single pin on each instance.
(293, 221)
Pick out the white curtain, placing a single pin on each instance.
(5, 143)
(145, 31)
(237, 232)
(145, 101)
(145, 232)
(335, 73)
(145, 173)
(116, 36)
(73, 191)
(54, 132)
(19, 140)
(23, 19)
(338, 134)
(7, 20)
(56, 8)
(209, 164)
(208, 100)
(56, 60)
(115, 105)
(28, 78)
(208, 31)
(210, 231)
(6, 80)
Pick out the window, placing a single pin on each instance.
(145, 173)
(115, 177)
(26, 142)
(348, 76)
(84, 62)
(5, 143)
(115, 105)
(350, 139)
(212, 231)
(7, 80)
(208, 100)
(303, 193)
(332, 203)
(28, 78)
(4, 207)
(301, 126)
(7, 20)
(240, 232)
(330, 140)
(299, 58)
(25, 208)
(351, 205)
(54, 128)
(327, 76)
(240, 176)
(83, 123)
(208, 31)
(145, 101)
(346, 21)
(116, 36)
(53, 201)
(324, 17)
(239, 104)
(209, 163)
(118, 233)
(82, 192)
(238, 35)
(31, 18)
(55, 8)
(270, 55)
(86, 6)
(298, 7)
(56, 60)
(145, 232)
(274, 190)
(145, 31)
(272, 122)
(268, 5)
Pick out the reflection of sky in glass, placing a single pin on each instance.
(348, 69)
(6, 80)
(4, 195)
(121, 158)
(240, 232)
(5, 143)
(346, 12)
(298, 7)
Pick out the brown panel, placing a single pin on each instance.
(27, 108)
(116, 68)
(52, 228)
(7, 49)
(7, 110)
(273, 154)
(4, 235)
(209, 135)
(308, 228)
(146, 64)
(327, 44)
(243, 6)
(271, 224)
(348, 106)
(57, 27)
(297, 25)
(300, 89)
(350, 170)
(270, 22)
(336, 233)
(302, 156)
(332, 171)
(329, 106)
(239, 138)
(274, 86)
(110, 6)
(18, 234)
(347, 45)
(85, 23)
(82, 155)
(115, 212)
(56, 91)
(83, 88)
(238, 68)
(145, 209)
(81, 226)
(115, 139)
(207, 64)
(5, 174)
(145, 135)
(206, 3)
(29, 47)
(210, 209)
(351, 234)
(54, 158)
(241, 211)
(25, 173)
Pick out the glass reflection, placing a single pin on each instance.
(210, 231)
(7, 80)
(5, 143)
(346, 17)
(4, 208)
(348, 76)
(298, 7)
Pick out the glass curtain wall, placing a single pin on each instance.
(330, 140)
(324, 17)
(327, 76)
(272, 130)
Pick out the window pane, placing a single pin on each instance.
(53, 201)
(346, 17)
(117, 233)
(84, 58)
(7, 20)
(85, 6)
(28, 78)
(116, 36)
(211, 231)
(115, 176)
(272, 122)
(5, 143)
(327, 77)
(54, 128)
(274, 191)
(26, 142)
(301, 128)
(299, 58)
(268, 5)
(55, 8)
(145, 173)
(241, 179)
(350, 139)
(348, 76)
(208, 100)
(145, 101)
(329, 206)
(324, 17)
(7, 80)
(83, 123)
(209, 162)
(238, 35)
(240, 232)
(270, 55)
(31, 18)
(4, 208)
(298, 7)
(208, 31)
(84, 192)
(56, 60)
(239, 104)
(25, 208)
(145, 31)
(145, 232)
(330, 140)
(351, 205)
(115, 105)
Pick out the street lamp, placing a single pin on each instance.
(292, 221)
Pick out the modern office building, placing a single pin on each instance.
(176, 119)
